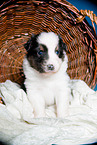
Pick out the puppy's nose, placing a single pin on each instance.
(50, 67)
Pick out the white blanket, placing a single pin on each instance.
(19, 127)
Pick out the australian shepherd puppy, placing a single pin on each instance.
(47, 81)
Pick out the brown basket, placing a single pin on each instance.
(20, 18)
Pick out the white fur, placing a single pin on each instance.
(48, 88)
(46, 39)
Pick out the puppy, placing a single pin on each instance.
(45, 66)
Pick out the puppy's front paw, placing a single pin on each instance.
(63, 114)
(62, 110)
(39, 115)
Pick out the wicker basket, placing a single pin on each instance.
(20, 18)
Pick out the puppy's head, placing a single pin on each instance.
(45, 52)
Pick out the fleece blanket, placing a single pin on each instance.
(19, 127)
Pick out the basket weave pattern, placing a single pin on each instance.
(19, 19)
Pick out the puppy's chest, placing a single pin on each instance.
(47, 89)
(49, 95)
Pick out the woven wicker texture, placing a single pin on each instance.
(19, 19)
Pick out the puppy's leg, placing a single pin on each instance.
(38, 104)
(62, 104)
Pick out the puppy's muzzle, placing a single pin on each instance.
(50, 67)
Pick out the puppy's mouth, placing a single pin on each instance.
(50, 69)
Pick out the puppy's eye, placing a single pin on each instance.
(57, 52)
(40, 52)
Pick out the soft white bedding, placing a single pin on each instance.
(19, 127)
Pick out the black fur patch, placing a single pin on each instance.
(62, 48)
(33, 48)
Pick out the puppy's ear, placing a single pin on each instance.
(29, 43)
(62, 44)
